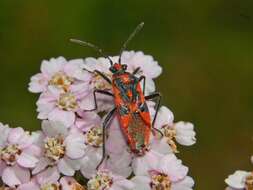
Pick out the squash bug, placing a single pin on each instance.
(130, 101)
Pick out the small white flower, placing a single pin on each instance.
(17, 155)
(180, 132)
(185, 134)
(240, 180)
(57, 106)
(167, 173)
(62, 150)
(60, 74)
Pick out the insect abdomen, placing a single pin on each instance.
(133, 113)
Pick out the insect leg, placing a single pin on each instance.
(136, 70)
(100, 91)
(105, 124)
(103, 76)
(144, 82)
(97, 91)
(158, 97)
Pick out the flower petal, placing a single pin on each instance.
(164, 117)
(52, 66)
(54, 128)
(27, 160)
(15, 176)
(50, 175)
(237, 179)
(89, 164)
(65, 168)
(170, 165)
(75, 146)
(65, 117)
(141, 183)
(38, 83)
(141, 165)
(87, 120)
(161, 146)
(4, 131)
(185, 134)
(149, 67)
(41, 165)
(120, 164)
(2, 167)
(18, 136)
(29, 186)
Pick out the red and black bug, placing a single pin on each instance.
(130, 102)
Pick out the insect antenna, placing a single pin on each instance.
(136, 30)
(97, 49)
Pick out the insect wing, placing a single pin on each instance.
(136, 124)
(133, 113)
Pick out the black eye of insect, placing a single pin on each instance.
(113, 69)
(124, 67)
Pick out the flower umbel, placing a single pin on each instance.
(66, 152)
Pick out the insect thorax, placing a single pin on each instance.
(125, 87)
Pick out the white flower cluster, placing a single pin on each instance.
(66, 152)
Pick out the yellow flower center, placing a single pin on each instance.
(102, 181)
(94, 137)
(61, 81)
(67, 101)
(249, 182)
(9, 154)
(170, 134)
(76, 186)
(100, 83)
(51, 187)
(160, 182)
(54, 148)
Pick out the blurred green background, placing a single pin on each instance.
(205, 48)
